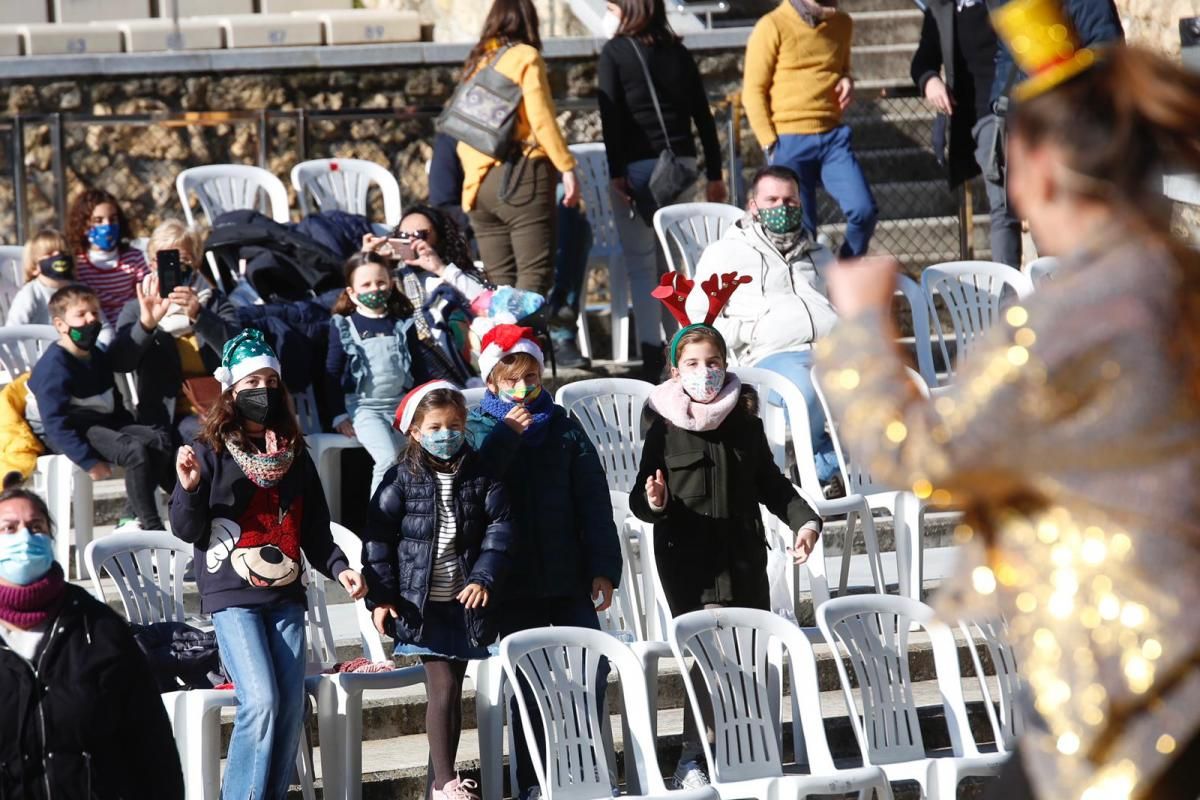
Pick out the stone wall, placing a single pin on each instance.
(1155, 23)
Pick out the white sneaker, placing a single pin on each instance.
(457, 789)
(690, 775)
(532, 794)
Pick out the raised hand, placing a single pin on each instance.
(863, 285)
(152, 307)
(656, 490)
(427, 257)
(186, 298)
(187, 468)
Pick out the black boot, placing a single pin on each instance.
(566, 349)
(654, 362)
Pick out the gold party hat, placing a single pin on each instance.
(1043, 43)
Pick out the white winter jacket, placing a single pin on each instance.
(783, 308)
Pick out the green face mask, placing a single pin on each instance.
(781, 219)
(374, 300)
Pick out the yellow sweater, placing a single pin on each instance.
(791, 71)
(536, 124)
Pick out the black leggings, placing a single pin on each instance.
(145, 454)
(443, 714)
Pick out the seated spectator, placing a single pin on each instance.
(88, 721)
(773, 320)
(98, 234)
(48, 268)
(177, 357)
(74, 406)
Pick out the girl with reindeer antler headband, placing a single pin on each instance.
(706, 466)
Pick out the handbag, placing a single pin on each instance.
(483, 111)
(670, 176)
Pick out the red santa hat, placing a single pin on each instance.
(408, 406)
(505, 340)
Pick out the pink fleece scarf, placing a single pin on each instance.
(677, 406)
(27, 607)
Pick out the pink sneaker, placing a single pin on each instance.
(457, 789)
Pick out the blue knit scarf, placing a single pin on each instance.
(542, 408)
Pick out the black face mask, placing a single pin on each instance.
(259, 405)
(84, 336)
(59, 267)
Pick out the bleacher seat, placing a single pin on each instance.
(23, 13)
(10, 40)
(366, 26)
(288, 6)
(170, 9)
(98, 10)
(69, 38)
(156, 35)
(271, 30)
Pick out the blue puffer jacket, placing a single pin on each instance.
(401, 534)
(560, 506)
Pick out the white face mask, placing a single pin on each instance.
(611, 23)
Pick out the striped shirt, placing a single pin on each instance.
(447, 579)
(115, 285)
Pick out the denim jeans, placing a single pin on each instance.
(1005, 230)
(827, 159)
(263, 649)
(797, 368)
(372, 420)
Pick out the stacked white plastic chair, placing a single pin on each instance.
(342, 184)
(11, 276)
(230, 187)
(324, 448)
(562, 666)
(739, 652)
(606, 247)
(1004, 709)
(924, 332)
(610, 411)
(20, 348)
(873, 630)
(685, 229)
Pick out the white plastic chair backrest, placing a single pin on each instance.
(474, 397)
(306, 411)
(12, 264)
(610, 411)
(322, 647)
(740, 655)
(342, 184)
(229, 187)
(924, 332)
(22, 345)
(560, 664)
(1041, 270)
(592, 168)
(351, 545)
(147, 569)
(784, 422)
(992, 635)
(975, 293)
(874, 630)
(779, 535)
(625, 618)
(685, 229)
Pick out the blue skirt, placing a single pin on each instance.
(444, 635)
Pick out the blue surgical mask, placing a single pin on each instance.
(104, 237)
(25, 557)
(443, 444)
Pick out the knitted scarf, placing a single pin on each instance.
(265, 469)
(541, 408)
(27, 607)
(673, 403)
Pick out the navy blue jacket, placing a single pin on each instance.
(401, 534)
(1096, 21)
(248, 539)
(560, 506)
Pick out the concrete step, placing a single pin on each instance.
(887, 27)
(936, 238)
(883, 61)
(856, 7)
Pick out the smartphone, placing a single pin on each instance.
(170, 273)
(402, 249)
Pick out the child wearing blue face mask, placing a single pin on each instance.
(435, 550)
(99, 236)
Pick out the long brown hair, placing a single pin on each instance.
(79, 219)
(398, 305)
(646, 22)
(222, 423)
(415, 457)
(508, 22)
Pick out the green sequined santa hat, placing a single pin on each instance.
(245, 353)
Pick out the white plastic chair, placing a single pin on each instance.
(339, 695)
(1041, 270)
(610, 411)
(20, 348)
(976, 293)
(923, 331)
(67, 490)
(1005, 710)
(229, 187)
(874, 630)
(324, 448)
(606, 247)
(739, 652)
(342, 184)
(12, 264)
(687, 228)
(562, 665)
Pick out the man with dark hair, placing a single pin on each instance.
(773, 321)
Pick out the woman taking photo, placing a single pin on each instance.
(511, 204)
(635, 135)
(1072, 438)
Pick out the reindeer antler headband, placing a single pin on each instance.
(673, 291)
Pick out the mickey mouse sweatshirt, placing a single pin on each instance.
(251, 542)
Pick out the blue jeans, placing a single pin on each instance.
(263, 650)
(797, 368)
(827, 159)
